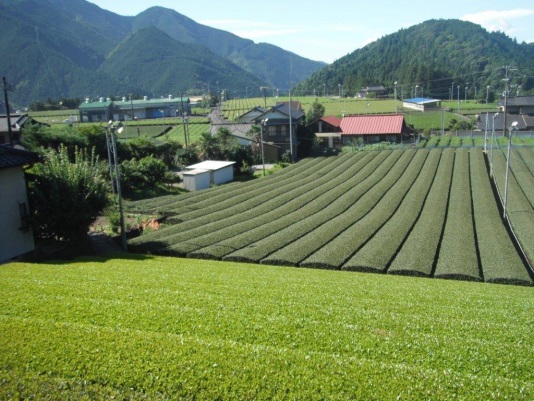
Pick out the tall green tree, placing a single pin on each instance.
(67, 197)
(315, 112)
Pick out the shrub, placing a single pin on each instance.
(146, 173)
(67, 197)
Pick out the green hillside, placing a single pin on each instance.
(153, 328)
(435, 55)
(427, 212)
(269, 63)
(61, 48)
(166, 66)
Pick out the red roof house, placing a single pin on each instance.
(374, 128)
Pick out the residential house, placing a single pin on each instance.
(374, 128)
(519, 108)
(328, 131)
(18, 123)
(518, 105)
(242, 132)
(374, 91)
(280, 127)
(251, 115)
(496, 121)
(295, 104)
(16, 237)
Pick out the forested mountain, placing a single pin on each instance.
(69, 48)
(270, 63)
(436, 55)
(181, 65)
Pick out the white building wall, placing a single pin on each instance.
(13, 241)
(196, 180)
(223, 175)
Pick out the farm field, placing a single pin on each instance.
(231, 109)
(426, 212)
(155, 328)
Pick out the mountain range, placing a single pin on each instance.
(73, 48)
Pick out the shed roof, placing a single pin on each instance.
(372, 124)
(211, 165)
(421, 100)
(11, 157)
(194, 172)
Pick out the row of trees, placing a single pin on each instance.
(72, 186)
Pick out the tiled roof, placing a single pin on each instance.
(523, 122)
(372, 124)
(10, 157)
(284, 108)
(295, 104)
(332, 120)
(518, 101)
(242, 128)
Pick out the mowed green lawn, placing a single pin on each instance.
(155, 328)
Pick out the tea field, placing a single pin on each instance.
(426, 212)
(155, 328)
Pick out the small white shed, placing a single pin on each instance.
(196, 180)
(220, 172)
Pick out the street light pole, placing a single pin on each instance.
(263, 123)
(112, 127)
(290, 128)
(395, 97)
(491, 148)
(513, 127)
(487, 117)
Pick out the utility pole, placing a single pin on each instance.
(9, 130)
(183, 118)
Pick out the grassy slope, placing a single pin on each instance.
(166, 328)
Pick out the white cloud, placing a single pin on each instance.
(494, 20)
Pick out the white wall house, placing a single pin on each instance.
(16, 237)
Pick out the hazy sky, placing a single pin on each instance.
(328, 30)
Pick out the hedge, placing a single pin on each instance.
(368, 215)
(458, 253)
(338, 203)
(418, 253)
(376, 254)
(499, 258)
